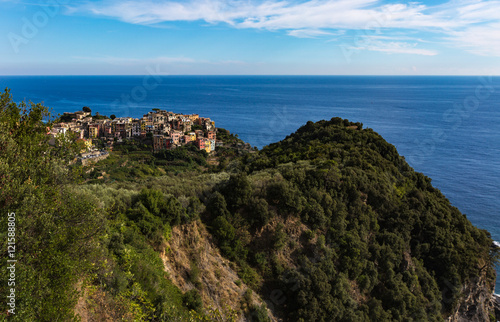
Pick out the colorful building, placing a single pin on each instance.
(211, 135)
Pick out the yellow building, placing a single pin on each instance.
(208, 146)
(93, 131)
(193, 117)
(193, 136)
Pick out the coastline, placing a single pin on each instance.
(283, 101)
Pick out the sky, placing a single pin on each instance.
(247, 37)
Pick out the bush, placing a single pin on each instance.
(217, 206)
(259, 314)
(285, 196)
(192, 300)
(237, 191)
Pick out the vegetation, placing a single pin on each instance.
(378, 242)
(65, 118)
(68, 241)
(98, 116)
(328, 224)
(57, 226)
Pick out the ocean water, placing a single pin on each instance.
(446, 127)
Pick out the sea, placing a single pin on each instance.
(447, 127)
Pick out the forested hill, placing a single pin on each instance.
(330, 224)
(379, 241)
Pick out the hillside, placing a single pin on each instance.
(338, 222)
(328, 224)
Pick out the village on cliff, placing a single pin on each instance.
(167, 130)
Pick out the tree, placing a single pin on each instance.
(285, 196)
(56, 226)
(112, 116)
(217, 206)
(150, 225)
(167, 208)
(86, 109)
(237, 191)
(192, 300)
(258, 211)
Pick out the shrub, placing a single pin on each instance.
(192, 300)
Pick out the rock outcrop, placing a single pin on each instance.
(478, 303)
(495, 301)
(192, 261)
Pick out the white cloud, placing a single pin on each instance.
(310, 33)
(276, 15)
(313, 14)
(481, 40)
(473, 11)
(395, 48)
(151, 12)
(456, 19)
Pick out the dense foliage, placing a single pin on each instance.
(56, 226)
(340, 224)
(73, 245)
(328, 224)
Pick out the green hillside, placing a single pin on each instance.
(328, 224)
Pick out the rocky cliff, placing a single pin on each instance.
(495, 300)
(478, 303)
(193, 262)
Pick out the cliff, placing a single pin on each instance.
(496, 305)
(478, 303)
(379, 235)
(193, 262)
(330, 224)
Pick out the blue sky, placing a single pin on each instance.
(319, 37)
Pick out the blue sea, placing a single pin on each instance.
(446, 127)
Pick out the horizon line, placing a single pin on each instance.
(252, 75)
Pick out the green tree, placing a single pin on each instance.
(167, 208)
(57, 227)
(192, 300)
(217, 206)
(237, 191)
